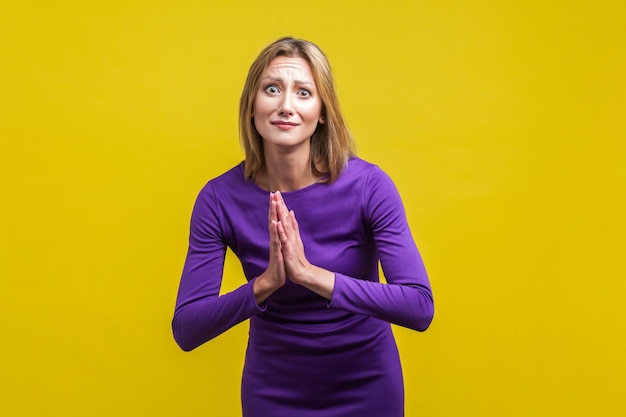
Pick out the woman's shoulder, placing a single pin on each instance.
(232, 177)
(368, 177)
(232, 180)
(358, 168)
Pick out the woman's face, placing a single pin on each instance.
(287, 107)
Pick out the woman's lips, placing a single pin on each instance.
(285, 125)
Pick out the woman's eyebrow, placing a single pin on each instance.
(280, 80)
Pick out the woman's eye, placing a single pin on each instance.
(304, 93)
(272, 89)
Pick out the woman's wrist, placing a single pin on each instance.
(318, 280)
(263, 287)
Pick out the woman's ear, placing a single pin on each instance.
(322, 120)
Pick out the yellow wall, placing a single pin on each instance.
(502, 123)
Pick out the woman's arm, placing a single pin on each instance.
(201, 313)
(406, 299)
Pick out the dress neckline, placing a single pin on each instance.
(304, 189)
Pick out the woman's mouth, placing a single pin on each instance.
(285, 125)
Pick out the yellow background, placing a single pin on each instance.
(502, 123)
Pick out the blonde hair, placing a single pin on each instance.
(331, 143)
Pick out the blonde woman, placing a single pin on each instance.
(309, 222)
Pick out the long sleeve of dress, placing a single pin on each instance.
(200, 313)
(407, 298)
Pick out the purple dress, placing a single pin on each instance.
(308, 356)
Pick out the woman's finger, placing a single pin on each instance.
(282, 211)
(295, 226)
(282, 236)
(275, 238)
(271, 212)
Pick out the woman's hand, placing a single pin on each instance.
(274, 276)
(296, 265)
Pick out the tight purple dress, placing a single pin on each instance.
(308, 356)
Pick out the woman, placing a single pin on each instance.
(309, 222)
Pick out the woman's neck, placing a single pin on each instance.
(287, 172)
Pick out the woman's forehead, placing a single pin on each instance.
(288, 65)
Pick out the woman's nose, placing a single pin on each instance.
(286, 105)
